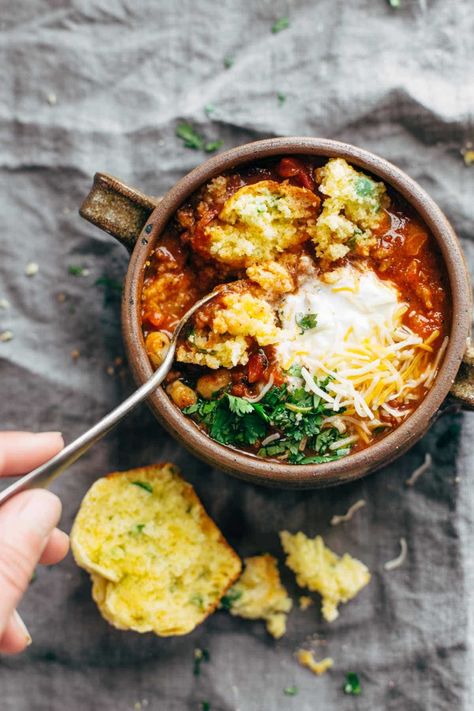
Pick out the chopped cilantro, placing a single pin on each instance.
(200, 656)
(282, 24)
(76, 270)
(137, 528)
(306, 321)
(143, 485)
(229, 598)
(213, 146)
(291, 690)
(281, 98)
(209, 109)
(228, 62)
(296, 415)
(352, 685)
(364, 186)
(205, 706)
(394, 3)
(194, 140)
(191, 139)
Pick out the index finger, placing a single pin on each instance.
(20, 452)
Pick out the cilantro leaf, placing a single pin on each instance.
(364, 186)
(212, 146)
(143, 485)
(291, 690)
(228, 62)
(352, 685)
(281, 98)
(239, 405)
(306, 321)
(191, 139)
(229, 598)
(282, 24)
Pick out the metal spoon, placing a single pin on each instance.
(42, 476)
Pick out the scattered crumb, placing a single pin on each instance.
(306, 658)
(52, 99)
(75, 354)
(456, 480)
(4, 304)
(61, 297)
(305, 601)
(118, 361)
(31, 269)
(400, 559)
(110, 370)
(468, 154)
(420, 470)
(6, 336)
(349, 513)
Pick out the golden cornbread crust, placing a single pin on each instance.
(157, 561)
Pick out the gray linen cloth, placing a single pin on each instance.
(92, 85)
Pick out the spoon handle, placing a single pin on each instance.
(42, 476)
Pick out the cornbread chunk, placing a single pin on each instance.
(320, 570)
(259, 594)
(306, 658)
(271, 276)
(261, 220)
(226, 334)
(203, 347)
(351, 210)
(157, 561)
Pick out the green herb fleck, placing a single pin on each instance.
(200, 656)
(209, 109)
(76, 270)
(228, 62)
(144, 485)
(282, 24)
(138, 528)
(229, 598)
(291, 690)
(306, 321)
(191, 139)
(197, 600)
(205, 706)
(352, 685)
(364, 186)
(281, 98)
(213, 146)
(394, 3)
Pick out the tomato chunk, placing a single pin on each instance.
(294, 168)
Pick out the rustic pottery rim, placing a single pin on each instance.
(251, 468)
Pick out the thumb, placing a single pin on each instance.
(26, 521)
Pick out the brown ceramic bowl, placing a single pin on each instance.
(138, 221)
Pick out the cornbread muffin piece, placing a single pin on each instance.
(306, 658)
(158, 562)
(351, 210)
(261, 220)
(319, 569)
(271, 277)
(203, 347)
(259, 594)
(227, 330)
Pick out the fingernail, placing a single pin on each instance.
(48, 434)
(22, 627)
(40, 512)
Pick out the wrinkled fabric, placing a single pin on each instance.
(93, 85)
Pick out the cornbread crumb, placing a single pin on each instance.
(212, 350)
(31, 269)
(259, 594)
(319, 569)
(271, 276)
(351, 210)
(261, 220)
(246, 315)
(157, 561)
(306, 658)
(305, 601)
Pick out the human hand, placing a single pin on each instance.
(28, 533)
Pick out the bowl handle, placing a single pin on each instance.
(117, 209)
(463, 387)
